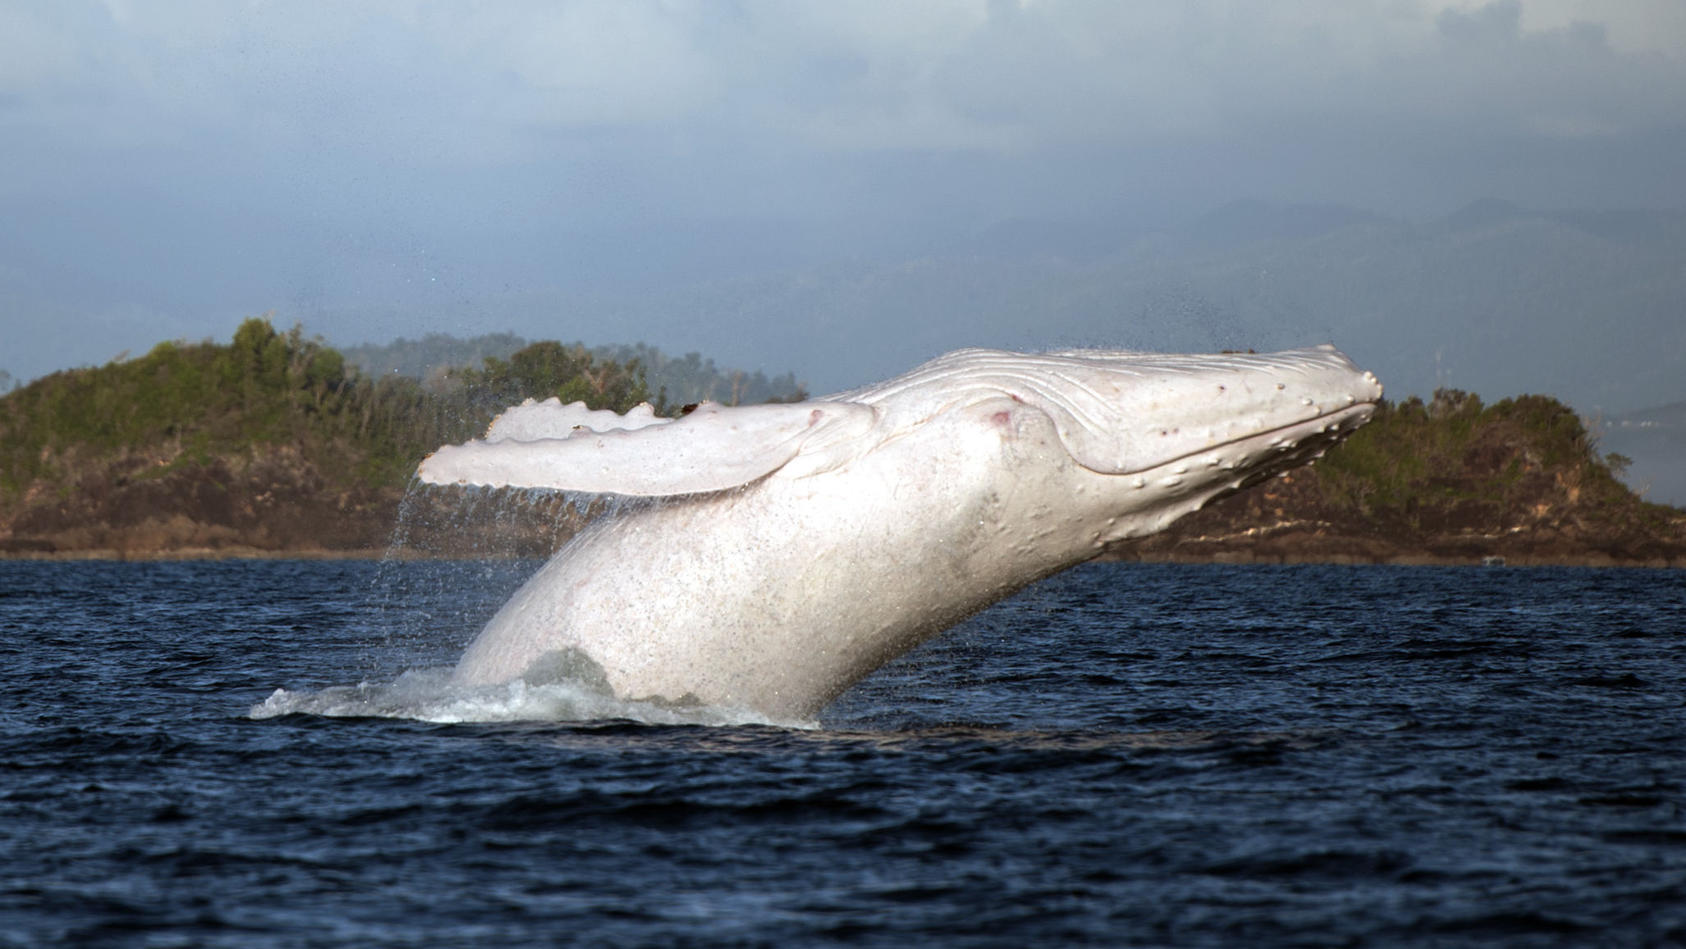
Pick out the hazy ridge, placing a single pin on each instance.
(679, 380)
(1589, 307)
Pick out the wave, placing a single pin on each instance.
(429, 695)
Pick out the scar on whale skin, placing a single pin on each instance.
(798, 547)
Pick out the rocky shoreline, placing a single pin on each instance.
(1238, 557)
(1229, 532)
(1291, 520)
(270, 504)
(1339, 552)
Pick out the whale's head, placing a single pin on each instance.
(1149, 436)
(1161, 434)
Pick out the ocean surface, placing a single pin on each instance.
(266, 754)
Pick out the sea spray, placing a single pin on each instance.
(502, 535)
(455, 555)
(470, 522)
(429, 695)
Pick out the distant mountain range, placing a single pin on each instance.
(1588, 306)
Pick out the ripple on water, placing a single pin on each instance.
(1124, 754)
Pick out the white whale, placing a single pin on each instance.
(798, 547)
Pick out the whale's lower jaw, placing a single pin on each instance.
(1159, 497)
(777, 595)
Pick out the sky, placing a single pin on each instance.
(392, 167)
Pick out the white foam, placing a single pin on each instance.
(428, 695)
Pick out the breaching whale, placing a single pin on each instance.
(797, 547)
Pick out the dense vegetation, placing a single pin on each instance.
(188, 403)
(1453, 452)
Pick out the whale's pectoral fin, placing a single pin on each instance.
(713, 448)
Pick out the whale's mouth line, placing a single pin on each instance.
(1339, 416)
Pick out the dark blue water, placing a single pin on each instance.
(1156, 755)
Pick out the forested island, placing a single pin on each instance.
(276, 445)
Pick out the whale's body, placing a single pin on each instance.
(798, 547)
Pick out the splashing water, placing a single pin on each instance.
(428, 695)
(473, 546)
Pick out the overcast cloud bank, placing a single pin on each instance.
(387, 168)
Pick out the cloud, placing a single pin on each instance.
(960, 75)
